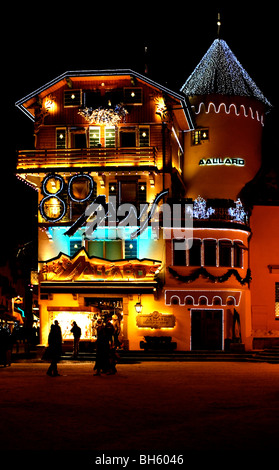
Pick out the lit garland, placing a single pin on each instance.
(219, 72)
(108, 116)
(204, 273)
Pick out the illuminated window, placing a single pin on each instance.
(106, 249)
(131, 249)
(75, 245)
(133, 96)
(61, 138)
(94, 136)
(142, 197)
(110, 136)
(72, 98)
(199, 136)
(144, 136)
(276, 300)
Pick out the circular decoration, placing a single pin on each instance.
(52, 207)
(80, 187)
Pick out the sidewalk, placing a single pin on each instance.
(162, 406)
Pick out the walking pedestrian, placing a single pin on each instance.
(116, 325)
(77, 334)
(104, 344)
(54, 348)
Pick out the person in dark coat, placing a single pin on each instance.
(77, 333)
(5, 346)
(103, 348)
(54, 348)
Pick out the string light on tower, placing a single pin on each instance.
(220, 72)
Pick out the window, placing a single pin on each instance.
(128, 192)
(106, 249)
(94, 136)
(79, 140)
(195, 253)
(75, 245)
(179, 252)
(133, 96)
(276, 300)
(238, 255)
(144, 136)
(92, 99)
(199, 136)
(61, 138)
(72, 98)
(131, 249)
(210, 252)
(128, 138)
(225, 253)
(110, 136)
(142, 193)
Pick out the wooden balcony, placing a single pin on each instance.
(37, 161)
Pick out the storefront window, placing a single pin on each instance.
(85, 320)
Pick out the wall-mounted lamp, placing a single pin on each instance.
(138, 306)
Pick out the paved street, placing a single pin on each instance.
(164, 406)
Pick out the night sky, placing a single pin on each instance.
(45, 41)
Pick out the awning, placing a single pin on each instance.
(98, 287)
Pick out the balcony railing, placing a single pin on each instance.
(92, 157)
(212, 210)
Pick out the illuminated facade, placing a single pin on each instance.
(116, 138)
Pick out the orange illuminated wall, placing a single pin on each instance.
(234, 127)
(264, 262)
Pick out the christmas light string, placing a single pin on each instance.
(220, 72)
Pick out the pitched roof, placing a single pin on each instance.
(219, 72)
(24, 103)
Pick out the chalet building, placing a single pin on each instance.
(139, 208)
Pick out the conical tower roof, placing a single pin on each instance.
(219, 72)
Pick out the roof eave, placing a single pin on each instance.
(87, 73)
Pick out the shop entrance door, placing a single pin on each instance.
(206, 330)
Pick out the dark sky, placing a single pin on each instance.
(50, 40)
(44, 41)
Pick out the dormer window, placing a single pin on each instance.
(133, 96)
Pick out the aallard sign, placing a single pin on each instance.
(222, 161)
(82, 267)
(155, 320)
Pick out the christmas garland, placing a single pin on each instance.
(203, 272)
